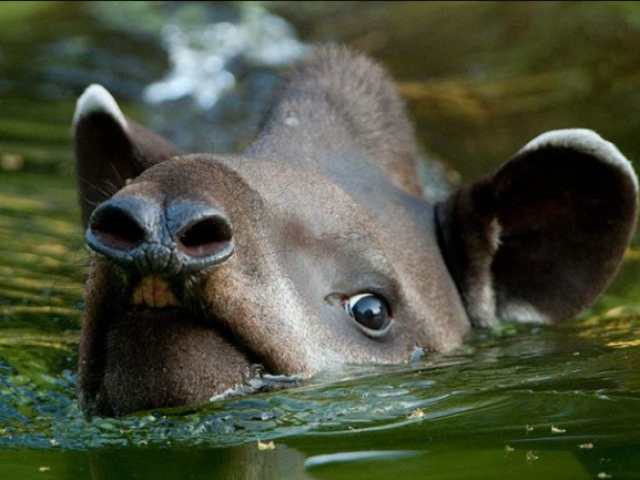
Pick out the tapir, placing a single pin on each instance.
(318, 247)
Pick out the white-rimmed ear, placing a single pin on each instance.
(96, 99)
(110, 148)
(540, 239)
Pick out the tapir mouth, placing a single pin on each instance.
(150, 349)
(154, 292)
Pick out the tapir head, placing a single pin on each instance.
(316, 248)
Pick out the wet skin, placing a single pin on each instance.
(205, 266)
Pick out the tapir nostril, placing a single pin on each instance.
(115, 228)
(183, 237)
(206, 236)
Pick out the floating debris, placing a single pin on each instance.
(557, 430)
(44, 469)
(508, 449)
(417, 413)
(604, 475)
(531, 456)
(11, 162)
(266, 446)
(586, 446)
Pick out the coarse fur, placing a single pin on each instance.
(325, 205)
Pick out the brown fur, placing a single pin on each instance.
(325, 205)
(349, 103)
(562, 229)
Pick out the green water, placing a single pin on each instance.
(481, 79)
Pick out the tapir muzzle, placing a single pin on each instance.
(183, 238)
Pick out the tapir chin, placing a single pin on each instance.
(318, 247)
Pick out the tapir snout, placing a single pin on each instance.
(317, 247)
(181, 237)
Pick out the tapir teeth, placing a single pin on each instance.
(154, 292)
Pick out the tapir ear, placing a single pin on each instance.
(540, 239)
(110, 148)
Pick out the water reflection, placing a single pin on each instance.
(240, 463)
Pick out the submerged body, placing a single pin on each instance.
(316, 248)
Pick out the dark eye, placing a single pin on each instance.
(370, 313)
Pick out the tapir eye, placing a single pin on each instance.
(370, 313)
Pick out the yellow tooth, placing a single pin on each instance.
(171, 299)
(160, 292)
(147, 291)
(154, 292)
(137, 295)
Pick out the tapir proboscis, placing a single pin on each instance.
(317, 246)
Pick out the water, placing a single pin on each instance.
(481, 79)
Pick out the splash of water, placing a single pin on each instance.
(200, 57)
(259, 383)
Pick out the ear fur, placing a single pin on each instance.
(110, 148)
(540, 239)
